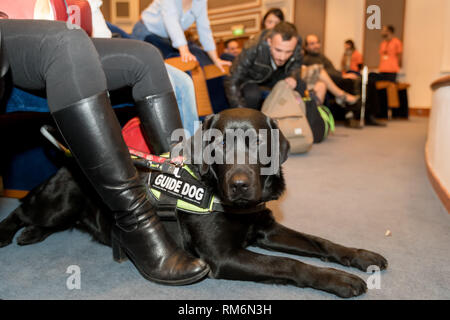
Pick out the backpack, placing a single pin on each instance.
(287, 108)
(320, 120)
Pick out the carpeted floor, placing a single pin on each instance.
(350, 189)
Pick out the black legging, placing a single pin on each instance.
(79, 67)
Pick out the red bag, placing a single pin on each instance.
(132, 134)
(84, 19)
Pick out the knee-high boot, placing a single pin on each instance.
(93, 134)
(159, 117)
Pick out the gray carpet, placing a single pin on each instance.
(350, 189)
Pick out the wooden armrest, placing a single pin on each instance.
(382, 84)
(212, 71)
(184, 66)
(403, 86)
(392, 92)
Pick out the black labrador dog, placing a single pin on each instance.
(66, 201)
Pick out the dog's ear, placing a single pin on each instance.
(209, 121)
(207, 124)
(192, 149)
(283, 142)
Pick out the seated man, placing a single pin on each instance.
(349, 82)
(275, 55)
(231, 51)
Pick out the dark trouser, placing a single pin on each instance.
(254, 94)
(384, 76)
(373, 102)
(79, 67)
(354, 87)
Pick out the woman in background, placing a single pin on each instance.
(272, 17)
(166, 20)
(352, 59)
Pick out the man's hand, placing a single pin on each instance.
(292, 83)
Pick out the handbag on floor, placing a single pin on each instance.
(287, 108)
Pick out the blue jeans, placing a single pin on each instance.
(184, 91)
(140, 31)
(182, 85)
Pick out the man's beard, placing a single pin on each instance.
(314, 53)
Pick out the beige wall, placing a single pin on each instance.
(438, 142)
(344, 20)
(424, 46)
(310, 17)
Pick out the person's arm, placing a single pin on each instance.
(217, 61)
(42, 10)
(343, 62)
(99, 27)
(238, 74)
(400, 53)
(205, 34)
(359, 60)
(295, 68)
(329, 67)
(171, 21)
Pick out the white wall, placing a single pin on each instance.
(344, 20)
(438, 142)
(426, 40)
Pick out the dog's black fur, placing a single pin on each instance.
(68, 201)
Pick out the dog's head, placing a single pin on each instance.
(239, 153)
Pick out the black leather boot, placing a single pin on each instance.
(93, 134)
(159, 117)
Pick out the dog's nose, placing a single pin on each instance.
(239, 183)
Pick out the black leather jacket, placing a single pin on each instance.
(253, 65)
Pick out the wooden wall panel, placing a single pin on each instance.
(310, 17)
(221, 6)
(223, 14)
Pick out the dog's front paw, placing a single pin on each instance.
(6, 234)
(4, 241)
(346, 285)
(32, 234)
(363, 259)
